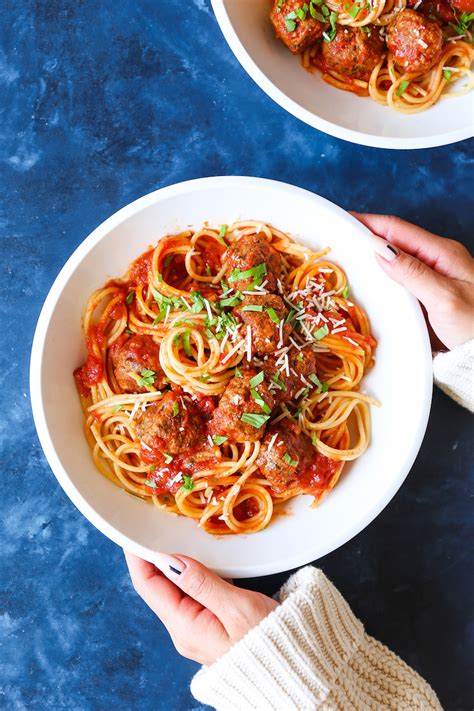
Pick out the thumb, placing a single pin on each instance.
(419, 279)
(197, 581)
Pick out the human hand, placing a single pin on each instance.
(204, 614)
(438, 271)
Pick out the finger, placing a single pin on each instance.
(414, 275)
(445, 256)
(155, 589)
(200, 583)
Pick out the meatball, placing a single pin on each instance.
(284, 457)
(296, 33)
(238, 400)
(250, 252)
(301, 364)
(415, 41)
(134, 355)
(352, 52)
(171, 425)
(267, 336)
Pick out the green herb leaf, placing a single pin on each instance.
(287, 458)
(257, 379)
(187, 343)
(314, 439)
(345, 291)
(276, 379)
(175, 408)
(116, 408)
(354, 11)
(231, 300)
(168, 458)
(130, 297)
(252, 307)
(402, 88)
(321, 387)
(147, 378)
(299, 357)
(188, 483)
(256, 273)
(129, 332)
(251, 418)
(219, 439)
(159, 277)
(260, 401)
(447, 74)
(152, 484)
(168, 260)
(238, 373)
(321, 332)
(273, 315)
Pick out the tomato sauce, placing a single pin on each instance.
(318, 474)
(166, 477)
(247, 509)
(92, 371)
(139, 272)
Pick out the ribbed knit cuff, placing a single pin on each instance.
(311, 653)
(292, 659)
(454, 374)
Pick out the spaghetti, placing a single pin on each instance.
(401, 57)
(222, 375)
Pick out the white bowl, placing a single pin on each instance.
(249, 33)
(401, 379)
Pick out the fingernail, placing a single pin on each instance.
(382, 247)
(169, 565)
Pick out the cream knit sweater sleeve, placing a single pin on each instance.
(311, 653)
(454, 374)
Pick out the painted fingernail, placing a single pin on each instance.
(393, 250)
(169, 565)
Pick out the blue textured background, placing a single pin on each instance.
(101, 102)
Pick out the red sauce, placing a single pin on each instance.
(92, 371)
(175, 274)
(211, 256)
(139, 272)
(117, 310)
(318, 474)
(247, 509)
(183, 463)
(118, 345)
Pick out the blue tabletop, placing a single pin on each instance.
(101, 103)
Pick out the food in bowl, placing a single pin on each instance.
(401, 56)
(223, 374)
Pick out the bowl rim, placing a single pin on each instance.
(36, 363)
(310, 118)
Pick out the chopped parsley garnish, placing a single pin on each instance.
(208, 270)
(199, 302)
(187, 342)
(151, 484)
(299, 358)
(238, 373)
(147, 378)
(219, 439)
(116, 408)
(204, 377)
(167, 457)
(447, 74)
(256, 273)
(276, 379)
(129, 332)
(345, 291)
(354, 11)
(260, 401)
(175, 409)
(222, 234)
(321, 332)
(231, 300)
(188, 483)
(402, 88)
(463, 23)
(252, 307)
(287, 458)
(321, 387)
(130, 297)
(159, 276)
(168, 260)
(273, 315)
(251, 418)
(314, 439)
(328, 36)
(257, 379)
